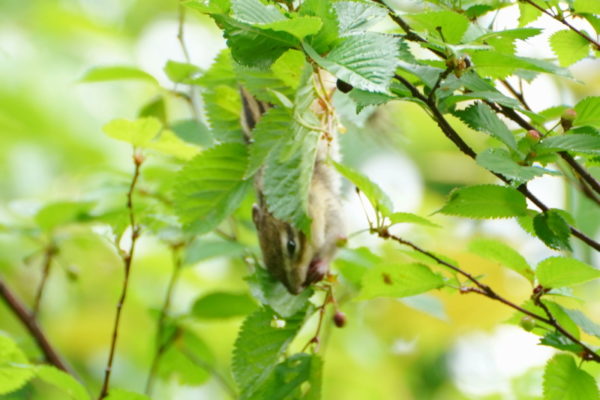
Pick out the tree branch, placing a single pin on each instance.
(49, 253)
(455, 138)
(127, 258)
(566, 23)
(490, 293)
(164, 312)
(28, 320)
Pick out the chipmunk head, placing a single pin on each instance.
(287, 252)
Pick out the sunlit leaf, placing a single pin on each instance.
(259, 346)
(223, 305)
(485, 201)
(398, 280)
(503, 254)
(371, 190)
(569, 47)
(211, 186)
(563, 380)
(14, 368)
(114, 73)
(588, 112)
(557, 272)
(63, 381)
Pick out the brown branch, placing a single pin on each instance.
(518, 95)
(580, 170)
(455, 138)
(127, 258)
(164, 311)
(566, 23)
(490, 293)
(49, 253)
(28, 320)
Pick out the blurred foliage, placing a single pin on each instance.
(64, 186)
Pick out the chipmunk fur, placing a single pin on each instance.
(289, 255)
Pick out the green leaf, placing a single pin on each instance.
(499, 161)
(209, 6)
(494, 96)
(296, 377)
(588, 326)
(288, 68)
(193, 131)
(581, 143)
(563, 380)
(354, 263)
(365, 61)
(120, 394)
(481, 117)
(274, 294)
(328, 34)
(354, 17)
(452, 25)
(560, 342)
(222, 99)
(289, 169)
(485, 201)
(54, 215)
(258, 347)
(498, 65)
(169, 143)
(588, 112)
(180, 72)
(273, 128)
(298, 26)
(555, 272)
(503, 254)
(586, 6)
(504, 41)
(210, 187)
(569, 47)
(528, 13)
(138, 132)
(115, 73)
(186, 359)
(155, 108)
(204, 249)
(552, 229)
(65, 382)
(14, 368)
(398, 280)
(404, 217)
(380, 201)
(255, 12)
(223, 305)
(252, 45)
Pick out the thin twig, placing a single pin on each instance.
(490, 293)
(566, 23)
(186, 55)
(27, 319)
(127, 260)
(451, 134)
(518, 95)
(164, 312)
(322, 309)
(49, 253)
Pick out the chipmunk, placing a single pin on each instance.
(289, 255)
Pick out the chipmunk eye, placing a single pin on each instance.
(291, 246)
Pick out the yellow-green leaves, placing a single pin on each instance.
(485, 201)
(398, 280)
(115, 73)
(569, 47)
(504, 254)
(259, 346)
(210, 187)
(564, 380)
(380, 201)
(445, 26)
(367, 61)
(13, 366)
(588, 112)
(558, 272)
(148, 133)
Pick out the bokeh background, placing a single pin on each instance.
(435, 346)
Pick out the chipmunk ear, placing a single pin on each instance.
(256, 214)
